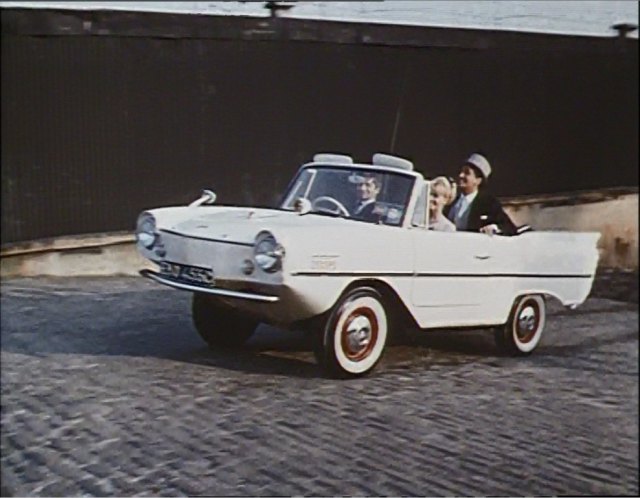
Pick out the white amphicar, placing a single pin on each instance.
(353, 276)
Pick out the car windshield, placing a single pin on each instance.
(364, 195)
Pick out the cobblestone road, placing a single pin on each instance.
(107, 390)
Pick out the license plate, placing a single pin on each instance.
(187, 273)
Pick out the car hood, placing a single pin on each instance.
(241, 225)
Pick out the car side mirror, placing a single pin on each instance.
(207, 197)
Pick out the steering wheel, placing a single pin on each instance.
(338, 205)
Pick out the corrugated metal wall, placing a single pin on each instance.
(98, 126)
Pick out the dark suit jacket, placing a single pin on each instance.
(367, 213)
(487, 205)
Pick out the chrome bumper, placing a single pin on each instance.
(206, 290)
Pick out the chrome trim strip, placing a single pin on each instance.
(208, 239)
(214, 291)
(506, 275)
(321, 273)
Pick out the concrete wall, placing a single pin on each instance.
(613, 214)
(86, 255)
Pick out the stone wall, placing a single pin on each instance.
(613, 213)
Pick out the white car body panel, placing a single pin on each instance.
(444, 279)
(476, 278)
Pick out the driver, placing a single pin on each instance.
(367, 193)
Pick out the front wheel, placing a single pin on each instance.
(354, 335)
(218, 326)
(523, 330)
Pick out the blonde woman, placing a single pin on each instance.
(441, 194)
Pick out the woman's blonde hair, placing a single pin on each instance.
(449, 187)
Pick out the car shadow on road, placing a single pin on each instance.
(279, 352)
(270, 351)
(254, 361)
(165, 331)
(475, 342)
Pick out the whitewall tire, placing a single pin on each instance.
(523, 331)
(355, 334)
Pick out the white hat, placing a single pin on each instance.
(481, 163)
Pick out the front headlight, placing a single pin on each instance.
(267, 252)
(146, 234)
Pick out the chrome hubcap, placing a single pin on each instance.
(359, 334)
(527, 320)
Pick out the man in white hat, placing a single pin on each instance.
(476, 210)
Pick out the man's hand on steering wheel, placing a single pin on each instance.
(340, 209)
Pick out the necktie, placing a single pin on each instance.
(461, 208)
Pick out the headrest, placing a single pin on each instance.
(332, 158)
(380, 159)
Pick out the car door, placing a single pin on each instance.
(450, 277)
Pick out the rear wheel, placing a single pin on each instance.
(354, 335)
(218, 326)
(523, 330)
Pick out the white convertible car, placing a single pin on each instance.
(313, 264)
